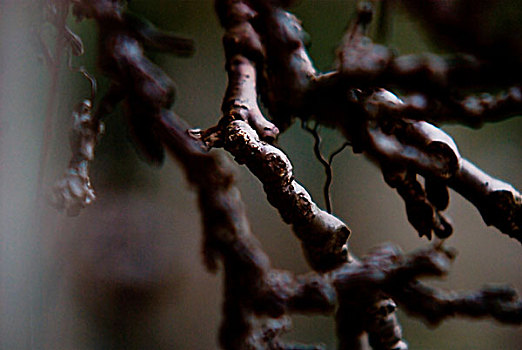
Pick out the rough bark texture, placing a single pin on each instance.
(266, 60)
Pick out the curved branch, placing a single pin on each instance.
(498, 202)
(323, 235)
(253, 291)
(244, 52)
(288, 69)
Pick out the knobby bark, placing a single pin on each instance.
(266, 60)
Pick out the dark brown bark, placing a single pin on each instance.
(266, 58)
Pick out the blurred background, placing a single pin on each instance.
(127, 273)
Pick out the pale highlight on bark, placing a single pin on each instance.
(266, 60)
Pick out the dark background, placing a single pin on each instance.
(128, 273)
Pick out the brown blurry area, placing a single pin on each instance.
(128, 273)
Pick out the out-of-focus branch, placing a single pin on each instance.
(74, 191)
(435, 106)
(384, 331)
(498, 302)
(135, 80)
(472, 110)
(372, 64)
(387, 272)
(478, 30)
(288, 71)
(144, 87)
(486, 61)
(266, 54)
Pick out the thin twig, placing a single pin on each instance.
(83, 71)
(326, 164)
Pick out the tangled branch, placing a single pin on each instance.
(372, 118)
(266, 60)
